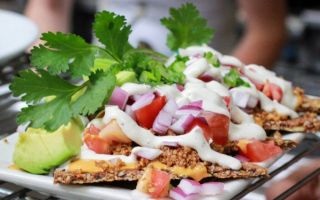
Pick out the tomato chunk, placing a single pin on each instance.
(202, 124)
(272, 91)
(160, 182)
(145, 116)
(218, 126)
(97, 144)
(93, 130)
(258, 151)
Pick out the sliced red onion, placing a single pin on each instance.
(189, 186)
(243, 99)
(147, 153)
(242, 158)
(181, 124)
(194, 112)
(212, 188)
(170, 144)
(162, 122)
(253, 101)
(130, 112)
(143, 101)
(195, 105)
(180, 87)
(171, 107)
(159, 128)
(119, 97)
(178, 194)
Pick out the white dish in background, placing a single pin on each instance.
(44, 183)
(16, 35)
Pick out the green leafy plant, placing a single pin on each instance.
(54, 101)
(186, 27)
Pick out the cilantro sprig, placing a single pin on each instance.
(186, 27)
(233, 79)
(54, 101)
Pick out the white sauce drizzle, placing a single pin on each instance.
(87, 154)
(194, 139)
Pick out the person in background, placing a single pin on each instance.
(261, 42)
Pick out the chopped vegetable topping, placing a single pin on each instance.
(99, 68)
(233, 79)
(212, 59)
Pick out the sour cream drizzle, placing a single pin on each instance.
(194, 139)
(254, 72)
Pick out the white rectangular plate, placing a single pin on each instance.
(44, 183)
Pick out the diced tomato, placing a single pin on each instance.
(205, 78)
(160, 182)
(272, 91)
(242, 145)
(145, 116)
(96, 144)
(258, 151)
(227, 100)
(219, 127)
(202, 124)
(93, 130)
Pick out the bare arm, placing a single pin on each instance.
(265, 31)
(50, 15)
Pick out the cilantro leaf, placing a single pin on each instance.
(62, 52)
(186, 27)
(113, 32)
(98, 89)
(233, 79)
(39, 85)
(68, 100)
(212, 59)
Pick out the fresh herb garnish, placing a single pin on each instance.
(212, 59)
(54, 101)
(186, 27)
(233, 79)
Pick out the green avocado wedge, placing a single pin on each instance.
(38, 151)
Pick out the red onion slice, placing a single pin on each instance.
(212, 188)
(178, 194)
(119, 98)
(195, 105)
(189, 186)
(170, 144)
(171, 106)
(143, 101)
(180, 87)
(243, 99)
(194, 112)
(181, 124)
(162, 123)
(147, 153)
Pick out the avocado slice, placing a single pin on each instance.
(38, 151)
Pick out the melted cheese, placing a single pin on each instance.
(88, 166)
(197, 173)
